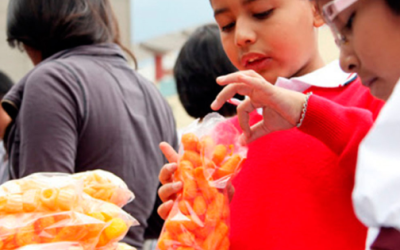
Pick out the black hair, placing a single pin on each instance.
(5, 84)
(201, 60)
(394, 5)
(50, 26)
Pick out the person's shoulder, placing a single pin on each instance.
(46, 70)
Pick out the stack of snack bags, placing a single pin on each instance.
(210, 156)
(60, 211)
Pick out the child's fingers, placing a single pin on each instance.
(168, 191)
(169, 152)
(235, 77)
(258, 130)
(164, 209)
(167, 172)
(243, 112)
(228, 92)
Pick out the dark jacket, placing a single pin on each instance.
(85, 109)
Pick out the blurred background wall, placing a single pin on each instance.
(154, 30)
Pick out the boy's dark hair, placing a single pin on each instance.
(201, 60)
(50, 26)
(394, 5)
(5, 84)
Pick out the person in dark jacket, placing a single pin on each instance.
(83, 107)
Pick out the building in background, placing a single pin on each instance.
(154, 30)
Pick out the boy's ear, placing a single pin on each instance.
(318, 19)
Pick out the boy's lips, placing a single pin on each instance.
(255, 61)
(368, 82)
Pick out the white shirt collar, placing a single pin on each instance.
(330, 76)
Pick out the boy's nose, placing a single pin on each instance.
(348, 60)
(244, 35)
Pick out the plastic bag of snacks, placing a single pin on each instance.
(52, 207)
(18, 230)
(105, 186)
(42, 192)
(210, 156)
(117, 220)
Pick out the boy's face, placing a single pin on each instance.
(372, 49)
(272, 37)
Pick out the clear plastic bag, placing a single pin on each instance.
(42, 192)
(117, 220)
(105, 186)
(210, 156)
(52, 207)
(18, 230)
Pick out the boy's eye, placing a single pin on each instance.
(228, 27)
(263, 15)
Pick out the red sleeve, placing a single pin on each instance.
(339, 127)
(388, 239)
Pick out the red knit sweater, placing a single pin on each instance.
(294, 191)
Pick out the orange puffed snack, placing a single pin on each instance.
(199, 219)
(43, 209)
(105, 186)
(37, 228)
(41, 192)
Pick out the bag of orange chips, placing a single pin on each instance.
(210, 156)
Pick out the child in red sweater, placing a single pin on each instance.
(294, 192)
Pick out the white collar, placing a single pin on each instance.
(330, 76)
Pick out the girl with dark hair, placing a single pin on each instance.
(82, 107)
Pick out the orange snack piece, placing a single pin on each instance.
(190, 141)
(219, 154)
(224, 244)
(166, 241)
(199, 205)
(186, 238)
(229, 167)
(208, 192)
(174, 227)
(189, 184)
(116, 229)
(190, 224)
(216, 237)
(185, 248)
(183, 207)
(206, 146)
(26, 236)
(193, 157)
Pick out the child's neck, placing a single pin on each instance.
(310, 67)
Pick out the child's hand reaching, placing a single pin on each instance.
(281, 108)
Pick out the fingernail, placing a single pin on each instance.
(221, 78)
(213, 104)
(177, 185)
(171, 167)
